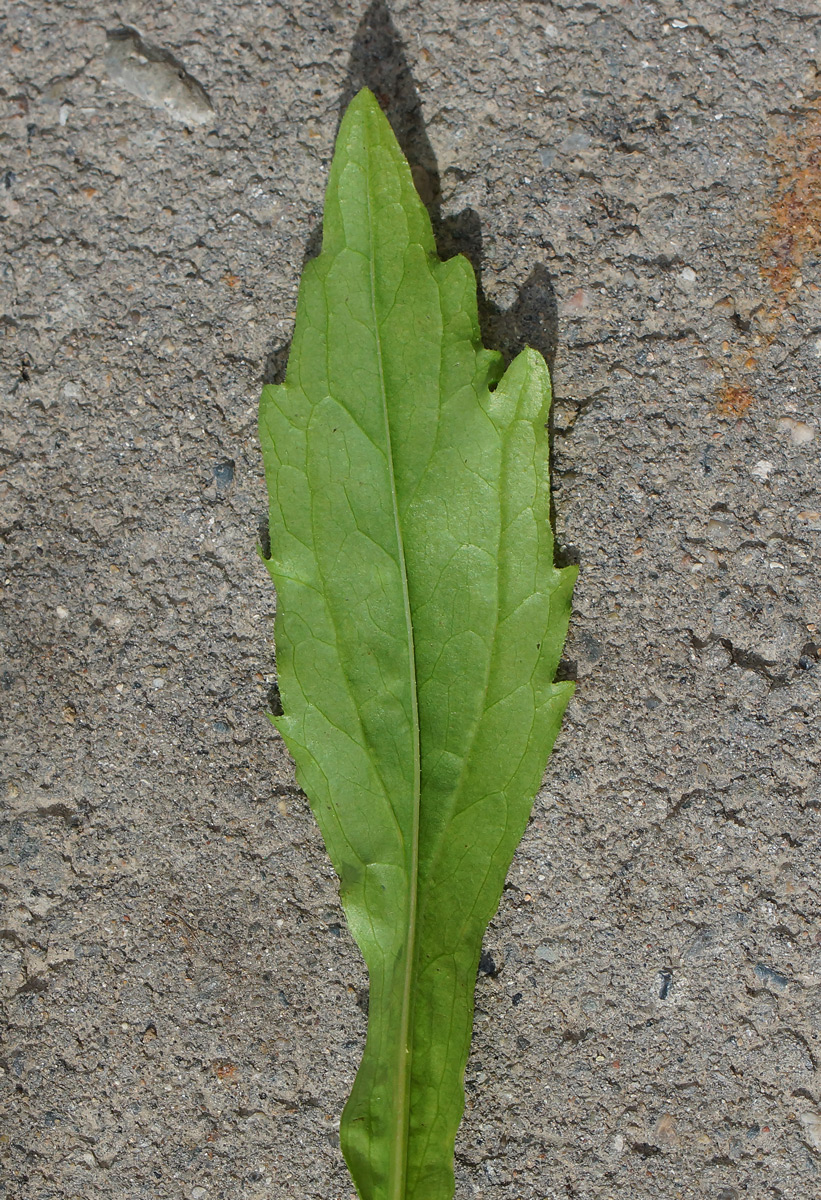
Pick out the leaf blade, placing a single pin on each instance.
(419, 624)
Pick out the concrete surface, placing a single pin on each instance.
(640, 183)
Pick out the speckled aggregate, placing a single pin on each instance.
(638, 185)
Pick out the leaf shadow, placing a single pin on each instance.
(378, 61)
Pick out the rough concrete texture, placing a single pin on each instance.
(639, 186)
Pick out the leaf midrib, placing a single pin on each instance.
(397, 1175)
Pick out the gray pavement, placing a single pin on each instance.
(639, 186)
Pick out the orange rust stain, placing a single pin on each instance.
(791, 233)
(88, 192)
(231, 279)
(225, 1070)
(734, 400)
(794, 228)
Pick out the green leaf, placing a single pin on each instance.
(419, 624)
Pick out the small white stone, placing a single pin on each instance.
(762, 470)
(158, 683)
(800, 432)
(811, 1121)
(61, 612)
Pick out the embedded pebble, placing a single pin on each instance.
(763, 470)
(224, 474)
(156, 76)
(811, 1124)
(547, 954)
(800, 432)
